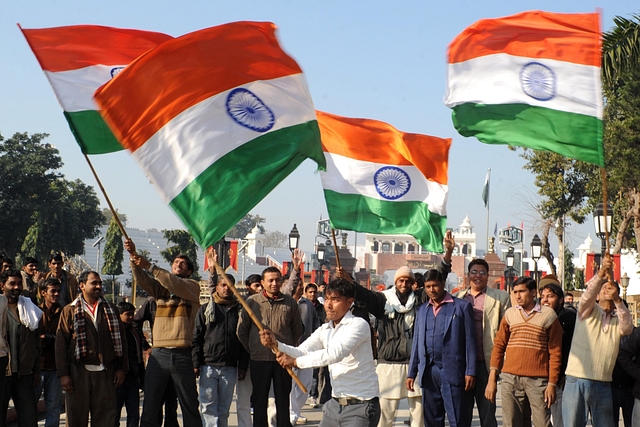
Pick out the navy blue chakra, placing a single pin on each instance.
(538, 81)
(246, 109)
(115, 71)
(391, 182)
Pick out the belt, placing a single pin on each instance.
(346, 401)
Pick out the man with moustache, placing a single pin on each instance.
(91, 355)
(69, 284)
(395, 310)
(489, 306)
(178, 300)
(443, 356)
(25, 352)
(279, 313)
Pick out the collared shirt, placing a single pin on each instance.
(437, 306)
(346, 349)
(477, 301)
(91, 312)
(535, 309)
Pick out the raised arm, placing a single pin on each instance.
(588, 298)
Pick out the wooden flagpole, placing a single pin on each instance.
(255, 320)
(335, 245)
(115, 216)
(603, 175)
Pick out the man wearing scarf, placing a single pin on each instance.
(218, 357)
(91, 355)
(395, 310)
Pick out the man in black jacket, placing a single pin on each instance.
(218, 356)
(395, 310)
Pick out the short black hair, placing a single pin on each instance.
(184, 257)
(51, 281)
(433, 275)
(231, 279)
(124, 307)
(478, 261)
(555, 289)
(7, 260)
(85, 276)
(254, 278)
(55, 257)
(342, 287)
(419, 280)
(309, 286)
(29, 260)
(12, 272)
(527, 281)
(569, 294)
(271, 269)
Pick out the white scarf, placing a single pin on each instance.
(29, 313)
(393, 304)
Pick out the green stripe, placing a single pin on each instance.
(571, 135)
(221, 195)
(92, 133)
(365, 214)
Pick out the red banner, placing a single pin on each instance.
(233, 255)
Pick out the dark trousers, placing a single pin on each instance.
(21, 390)
(313, 390)
(128, 394)
(324, 385)
(622, 399)
(438, 397)
(262, 373)
(167, 366)
(366, 414)
(170, 403)
(486, 409)
(93, 392)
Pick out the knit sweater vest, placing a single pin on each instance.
(594, 351)
(532, 346)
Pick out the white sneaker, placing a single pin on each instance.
(301, 420)
(313, 402)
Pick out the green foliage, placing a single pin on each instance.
(40, 211)
(620, 49)
(569, 269)
(183, 244)
(113, 250)
(579, 280)
(276, 240)
(108, 215)
(244, 227)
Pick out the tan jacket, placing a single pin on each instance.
(282, 317)
(178, 302)
(496, 303)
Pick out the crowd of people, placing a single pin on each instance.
(355, 351)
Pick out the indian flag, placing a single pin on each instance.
(216, 119)
(530, 80)
(79, 59)
(383, 181)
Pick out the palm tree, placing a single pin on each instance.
(620, 48)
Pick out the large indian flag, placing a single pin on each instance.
(383, 181)
(79, 59)
(216, 119)
(530, 80)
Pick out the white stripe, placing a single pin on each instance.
(495, 79)
(75, 88)
(199, 136)
(350, 176)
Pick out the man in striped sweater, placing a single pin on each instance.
(530, 336)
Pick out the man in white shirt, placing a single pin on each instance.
(343, 344)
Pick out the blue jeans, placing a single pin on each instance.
(52, 386)
(582, 397)
(216, 393)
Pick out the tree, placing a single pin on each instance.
(564, 186)
(621, 86)
(569, 270)
(183, 244)
(113, 254)
(40, 211)
(107, 214)
(245, 225)
(29, 167)
(276, 240)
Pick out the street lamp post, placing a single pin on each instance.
(602, 224)
(536, 253)
(294, 238)
(624, 282)
(510, 258)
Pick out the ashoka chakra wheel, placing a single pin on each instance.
(391, 182)
(538, 81)
(246, 109)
